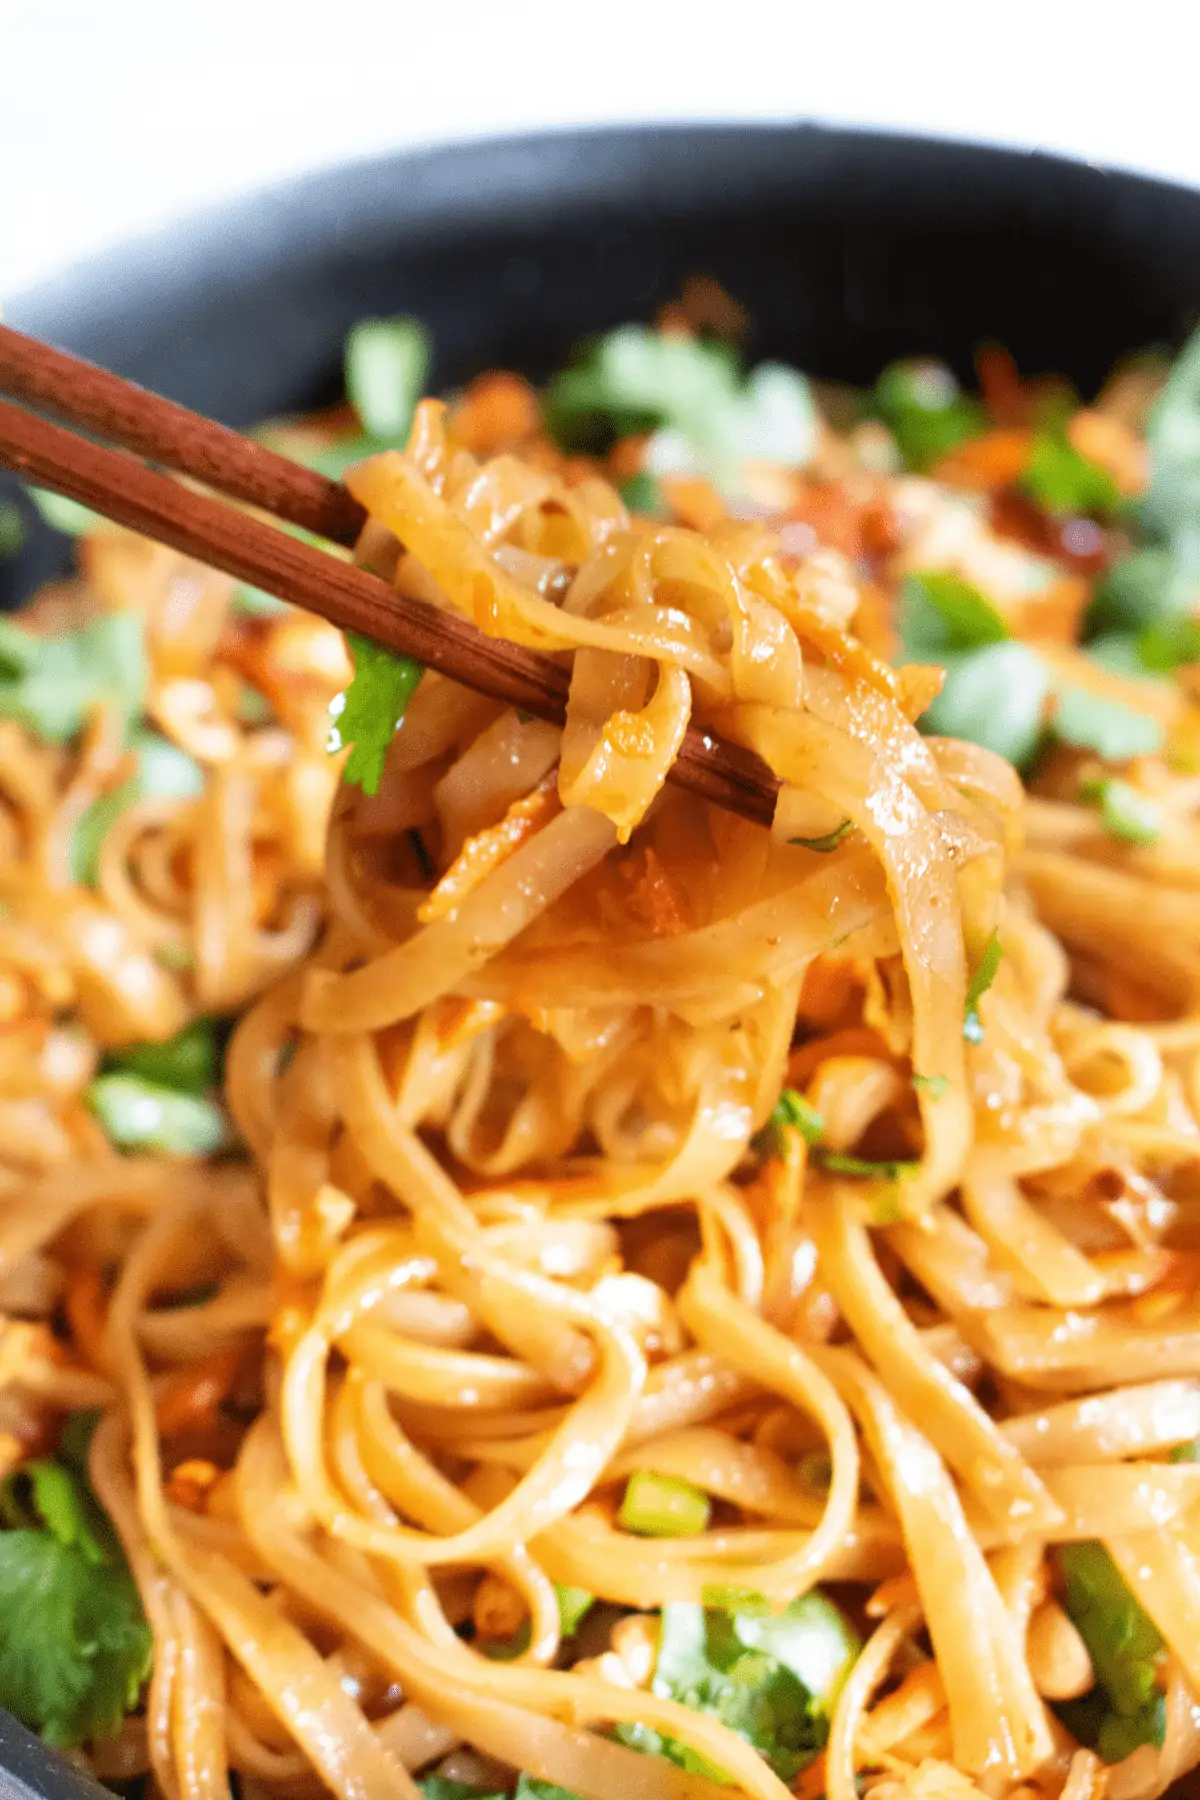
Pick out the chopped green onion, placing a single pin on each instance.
(1126, 813)
(735, 1599)
(1185, 1453)
(830, 841)
(663, 1506)
(1114, 731)
(189, 1062)
(140, 1115)
(387, 361)
(1169, 645)
(936, 1086)
(1125, 1645)
(994, 696)
(940, 613)
(573, 1604)
(982, 977)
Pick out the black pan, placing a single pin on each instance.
(849, 248)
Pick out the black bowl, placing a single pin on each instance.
(849, 248)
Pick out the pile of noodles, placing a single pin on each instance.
(500, 1236)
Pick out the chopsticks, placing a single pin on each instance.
(121, 487)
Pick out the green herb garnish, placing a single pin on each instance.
(366, 715)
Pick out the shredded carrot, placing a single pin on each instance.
(86, 1307)
(496, 411)
(190, 1483)
(485, 852)
(655, 900)
(844, 652)
(831, 984)
(992, 461)
(189, 1400)
(1109, 442)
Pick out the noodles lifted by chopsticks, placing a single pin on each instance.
(519, 1236)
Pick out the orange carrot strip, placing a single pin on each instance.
(484, 852)
(189, 1400)
(984, 463)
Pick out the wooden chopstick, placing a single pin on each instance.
(122, 488)
(221, 458)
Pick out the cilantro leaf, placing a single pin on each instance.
(49, 685)
(926, 411)
(837, 1162)
(936, 1086)
(994, 696)
(189, 1062)
(366, 715)
(76, 1647)
(163, 772)
(1124, 1643)
(706, 418)
(791, 1109)
(751, 1669)
(386, 362)
(1147, 587)
(66, 515)
(1061, 480)
(1113, 730)
(530, 1788)
(940, 613)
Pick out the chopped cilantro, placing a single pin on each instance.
(76, 1647)
(366, 715)
(936, 1086)
(836, 1162)
(830, 841)
(439, 1787)
(982, 977)
(941, 613)
(1113, 730)
(189, 1062)
(1185, 1453)
(790, 1110)
(994, 696)
(771, 1677)
(1061, 480)
(574, 1604)
(1169, 645)
(65, 515)
(926, 411)
(49, 685)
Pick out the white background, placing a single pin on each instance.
(117, 115)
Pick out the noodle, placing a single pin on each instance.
(558, 1265)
